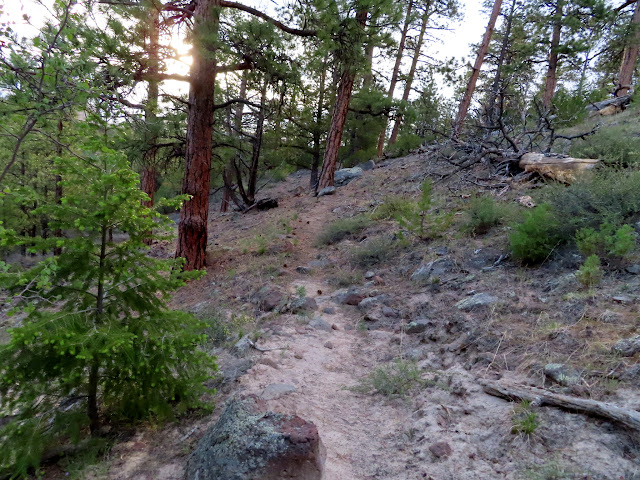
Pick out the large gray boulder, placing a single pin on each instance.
(250, 443)
(346, 175)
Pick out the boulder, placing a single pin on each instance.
(368, 165)
(327, 191)
(346, 175)
(250, 443)
(268, 298)
(557, 167)
(479, 300)
(429, 272)
(418, 326)
(562, 374)
(304, 304)
(320, 324)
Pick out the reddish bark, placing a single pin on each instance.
(192, 229)
(339, 117)
(630, 55)
(552, 69)
(471, 85)
(396, 72)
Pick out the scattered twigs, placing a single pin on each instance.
(539, 397)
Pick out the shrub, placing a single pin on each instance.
(534, 239)
(373, 252)
(482, 214)
(405, 143)
(392, 208)
(613, 146)
(395, 379)
(524, 420)
(608, 242)
(590, 273)
(341, 229)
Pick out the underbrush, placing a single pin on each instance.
(375, 251)
(341, 229)
(395, 379)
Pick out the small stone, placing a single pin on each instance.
(334, 327)
(329, 310)
(304, 270)
(298, 355)
(369, 275)
(319, 263)
(327, 191)
(353, 299)
(418, 326)
(277, 390)
(431, 271)
(633, 269)
(328, 345)
(476, 301)
(441, 449)
(378, 281)
(441, 251)
(304, 304)
(627, 347)
(320, 324)
(562, 374)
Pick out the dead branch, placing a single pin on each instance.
(538, 396)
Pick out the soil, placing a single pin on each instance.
(446, 427)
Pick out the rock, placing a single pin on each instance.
(378, 281)
(441, 449)
(429, 272)
(327, 191)
(418, 326)
(609, 316)
(242, 347)
(298, 355)
(631, 374)
(319, 263)
(304, 304)
(269, 362)
(269, 298)
(277, 390)
(622, 299)
(561, 284)
(328, 345)
(249, 443)
(441, 251)
(627, 347)
(633, 269)
(557, 167)
(320, 324)
(346, 175)
(562, 374)
(341, 296)
(334, 327)
(329, 310)
(479, 300)
(389, 312)
(369, 275)
(353, 299)
(304, 270)
(366, 166)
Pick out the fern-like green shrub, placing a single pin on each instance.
(533, 240)
(97, 342)
(590, 273)
(608, 242)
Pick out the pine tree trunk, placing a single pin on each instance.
(495, 86)
(252, 182)
(630, 55)
(339, 117)
(552, 70)
(315, 164)
(411, 75)
(227, 175)
(471, 85)
(395, 73)
(148, 183)
(192, 229)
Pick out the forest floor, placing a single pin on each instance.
(444, 426)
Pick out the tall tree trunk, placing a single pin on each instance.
(471, 85)
(252, 182)
(552, 69)
(630, 55)
(227, 175)
(495, 86)
(412, 73)
(192, 229)
(339, 117)
(315, 164)
(396, 72)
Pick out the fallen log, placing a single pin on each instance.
(616, 102)
(539, 397)
(557, 167)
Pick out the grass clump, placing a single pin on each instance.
(343, 278)
(341, 229)
(524, 420)
(482, 214)
(395, 379)
(373, 252)
(393, 207)
(533, 240)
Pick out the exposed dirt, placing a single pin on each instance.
(540, 316)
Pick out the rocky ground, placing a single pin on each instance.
(454, 310)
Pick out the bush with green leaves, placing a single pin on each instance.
(97, 341)
(482, 214)
(533, 240)
(590, 273)
(393, 207)
(607, 242)
(395, 379)
(342, 228)
(613, 146)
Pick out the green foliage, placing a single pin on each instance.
(374, 251)
(405, 143)
(590, 273)
(97, 332)
(393, 207)
(607, 242)
(524, 420)
(533, 240)
(394, 379)
(614, 146)
(482, 214)
(301, 291)
(341, 229)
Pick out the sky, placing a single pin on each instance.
(447, 43)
